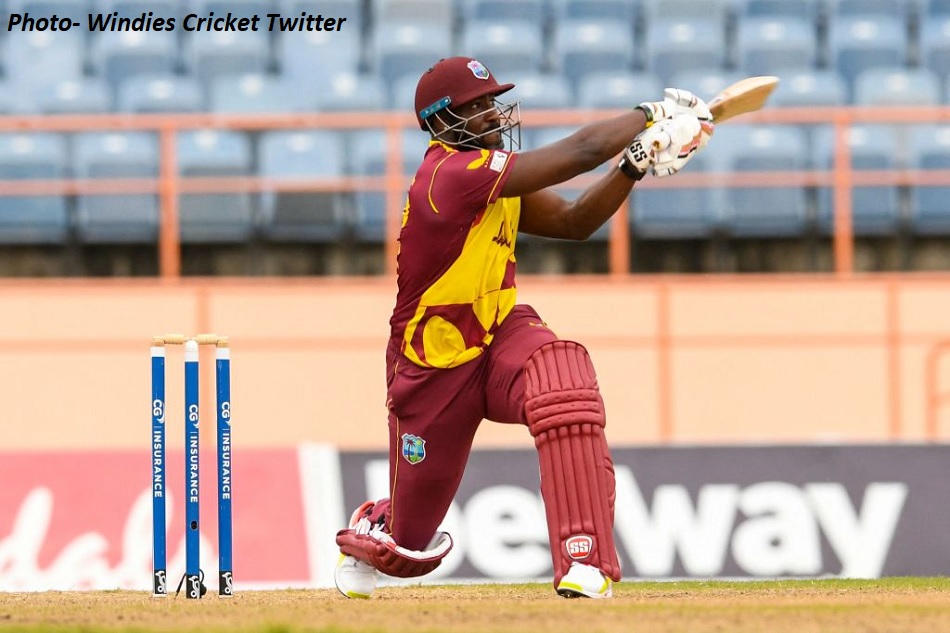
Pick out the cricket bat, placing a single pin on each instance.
(746, 95)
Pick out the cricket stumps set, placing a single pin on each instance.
(193, 578)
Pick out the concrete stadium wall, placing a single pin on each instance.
(680, 360)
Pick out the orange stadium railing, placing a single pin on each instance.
(170, 184)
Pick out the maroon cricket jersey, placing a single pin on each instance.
(456, 261)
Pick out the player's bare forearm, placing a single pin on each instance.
(549, 215)
(579, 153)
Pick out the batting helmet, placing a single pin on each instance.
(454, 81)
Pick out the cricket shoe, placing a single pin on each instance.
(353, 577)
(584, 581)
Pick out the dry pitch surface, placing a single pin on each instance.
(896, 605)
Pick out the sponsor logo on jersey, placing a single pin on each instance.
(498, 160)
(413, 448)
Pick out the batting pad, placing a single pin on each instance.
(566, 417)
(379, 550)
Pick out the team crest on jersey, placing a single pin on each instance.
(478, 69)
(413, 448)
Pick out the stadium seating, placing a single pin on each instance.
(529, 10)
(677, 213)
(762, 212)
(302, 216)
(350, 92)
(893, 9)
(252, 93)
(930, 205)
(41, 219)
(75, 10)
(434, 14)
(406, 47)
(622, 11)
(505, 47)
(810, 88)
(619, 90)
(368, 155)
(859, 43)
(935, 44)
(116, 218)
(935, 8)
(215, 217)
(238, 8)
(704, 83)
(351, 10)
(74, 96)
(677, 45)
(309, 58)
(116, 56)
(211, 55)
(715, 12)
(770, 45)
(582, 47)
(540, 91)
(875, 210)
(884, 86)
(807, 9)
(39, 58)
(133, 8)
(160, 93)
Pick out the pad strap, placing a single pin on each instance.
(379, 550)
(565, 414)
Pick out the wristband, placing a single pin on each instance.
(629, 170)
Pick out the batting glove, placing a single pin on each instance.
(685, 133)
(675, 101)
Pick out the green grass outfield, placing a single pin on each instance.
(898, 605)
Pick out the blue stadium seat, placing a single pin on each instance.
(14, 100)
(935, 44)
(715, 12)
(39, 58)
(134, 9)
(238, 8)
(935, 9)
(705, 84)
(529, 10)
(810, 88)
(215, 217)
(406, 47)
(160, 94)
(582, 47)
(120, 55)
(622, 11)
(403, 93)
(808, 9)
(506, 47)
(302, 216)
(620, 90)
(677, 45)
(875, 209)
(930, 205)
(367, 158)
(677, 213)
(763, 212)
(116, 218)
(310, 57)
(75, 10)
(768, 45)
(435, 14)
(252, 93)
(39, 219)
(893, 9)
(897, 86)
(74, 96)
(540, 91)
(350, 10)
(859, 43)
(210, 55)
(349, 92)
